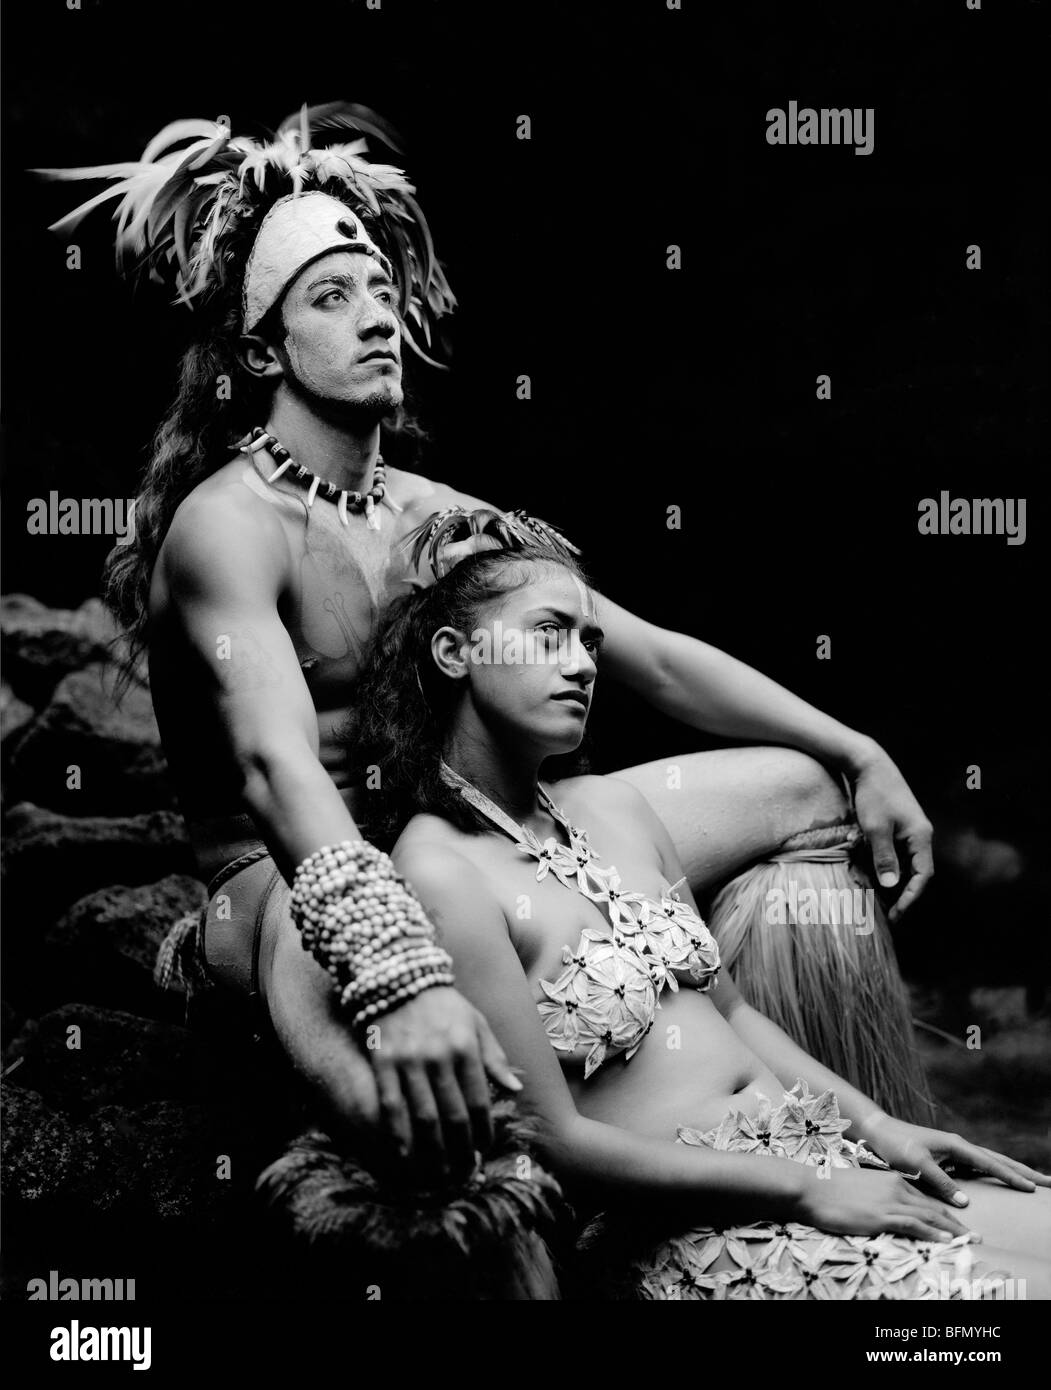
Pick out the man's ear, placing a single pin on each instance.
(451, 653)
(259, 357)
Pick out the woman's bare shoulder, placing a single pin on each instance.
(426, 829)
(441, 864)
(433, 845)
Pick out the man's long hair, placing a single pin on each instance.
(197, 435)
(187, 213)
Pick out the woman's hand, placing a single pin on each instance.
(889, 814)
(868, 1201)
(915, 1150)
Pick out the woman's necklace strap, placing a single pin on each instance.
(488, 808)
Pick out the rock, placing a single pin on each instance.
(51, 860)
(80, 1057)
(132, 1193)
(15, 714)
(138, 1118)
(158, 1161)
(40, 645)
(113, 748)
(104, 948)
(40, 1148)
(146, 847)
(166, 1156)
(13, 1023)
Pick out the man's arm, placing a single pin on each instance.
(224, 570)
(706, 688)
(709, 690)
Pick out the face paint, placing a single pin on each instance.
(296, 232)
(343, 337)
(587, 600)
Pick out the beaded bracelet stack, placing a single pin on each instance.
(368, 930)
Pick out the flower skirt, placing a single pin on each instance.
(789, 1261)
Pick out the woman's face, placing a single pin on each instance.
(531, 660)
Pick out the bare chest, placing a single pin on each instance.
(342, 581)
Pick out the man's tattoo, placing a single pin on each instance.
(250, 664)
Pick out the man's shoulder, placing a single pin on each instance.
(221, 525)
(422, 496)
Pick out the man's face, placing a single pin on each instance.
(343, 343)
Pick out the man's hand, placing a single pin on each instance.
(414, 1080)
(451, 554)
(430, 1059)
(890, 815)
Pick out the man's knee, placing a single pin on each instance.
(813, 795)
(726, 808)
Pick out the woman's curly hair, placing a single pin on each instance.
(394, 740)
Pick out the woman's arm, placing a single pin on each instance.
(721, 1187)
(914, 1149)
(472, 927)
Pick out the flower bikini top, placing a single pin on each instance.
(607, 995)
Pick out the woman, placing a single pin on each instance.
(564, 908)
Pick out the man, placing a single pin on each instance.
(258, 576)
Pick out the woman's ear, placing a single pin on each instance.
(259, 357)
(451, 652)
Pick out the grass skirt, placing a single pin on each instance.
(789, 932)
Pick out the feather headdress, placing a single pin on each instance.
(515, 530)
(190, 208)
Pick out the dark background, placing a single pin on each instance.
(650, 387)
